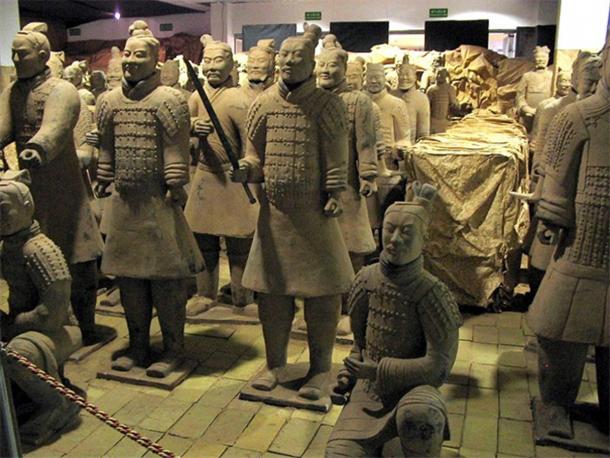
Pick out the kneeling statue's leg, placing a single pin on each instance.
(421, 419)
(54, 411)
(336, 448)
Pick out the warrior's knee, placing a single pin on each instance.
(28, 349)
(421, 421)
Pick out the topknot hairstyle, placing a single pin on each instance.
(139, 30)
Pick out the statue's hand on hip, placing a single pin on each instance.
(31, 158)
(366, 369)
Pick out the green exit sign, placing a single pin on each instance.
(313, 15)
(439, 12)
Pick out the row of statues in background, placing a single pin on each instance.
(319, 150)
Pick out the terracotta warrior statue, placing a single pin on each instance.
(74, 74)
(417, 102)
(39, 113)
(534, 87)
(297, 145)
(260, 71)
(405, 325)
(429, 76)
(114, 72)
(571, 309)
(37, 325)
(216, 206)
(395, 121)
(443, 98)
(170, 75)
(144, 135)
(99, 85)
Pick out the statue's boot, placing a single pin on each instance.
(276, 314)
(560, 368)
(83, 298)
(169, 296)
(136, 297)
(237, 252)
(322, 315)
(54, 412)
(207, 281)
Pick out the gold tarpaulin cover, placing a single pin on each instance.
(475, 220)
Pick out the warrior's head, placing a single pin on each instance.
(375, 78)
(16, 203)
(261, 63)
(332, 66)
(141, 53)
(541, 57)
(170, 73)
(74, 74)
(442, 75)
(296, 56)
(407, 76)
(217, 62)
(354, 75)
(562, 84)
(405, 225)
(31, 50)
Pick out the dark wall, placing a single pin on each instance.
(360, 36)
(529, 37)
(444, 35)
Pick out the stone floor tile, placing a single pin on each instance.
(318, 444)
(484, 375)
(44, 452)
(460, 373)
(455, 397)
(272, 455)
(310, 415)
(512, 356)
(227, 426)
(482, 402)
(97, 444)
(178, 445)
(533, 387)
(140, 406)
(515, 437)
(220, 362)
(241, 404)
(448, 452)
(511, 336)
(294, 437)
(586, 393)
(129, 448)
(69, 440)
(236, 452)
(552, 452)
(332, 415)
(480, 434)
(245, 368)
(466, 452)
(456, 426)
(484, 353)
(165, 415)
(284, 412)
(195, 421)
(484, 319)
(512, 379)
(193, 388)
(261, 432)
(515, 405)
(222, 392)
(509, 320)
(485, 334)
(115, 399)
(465, 352)
(526, 329)
(466, 333)
(201, 448)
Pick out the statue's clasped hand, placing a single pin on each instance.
(332, 207)
(240, 175)
(203, 127)
(101, 190)
(368, 188)
(366, 369)
(176, 195)
(30, 158)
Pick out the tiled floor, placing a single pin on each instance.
(488, 396)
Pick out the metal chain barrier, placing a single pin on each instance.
(91, 408)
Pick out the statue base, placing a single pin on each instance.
(587, 437)
(227, 314)
(137, 376)
(285, 394)
(105, 334)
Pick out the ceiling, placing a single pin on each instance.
(76, 12)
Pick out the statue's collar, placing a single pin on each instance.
(300, 93)
(379, 95)
(401, 275)
(341, 88)
(36, 80)
(22, 236)
(142, 88)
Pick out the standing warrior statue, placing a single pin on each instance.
(297, 146)
(216, 206)
(418, 105)
(442, 99)
(405, 325)
(149, 246)
(39, 112)
(534, 87)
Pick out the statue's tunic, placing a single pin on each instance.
(216, 205)
(144, 151)
(441, 97)
(533, 88)
(39, 296)
(573, 302)
(297, 145)
(40, 113)
(395, 122)
(418, 107)
(405, 320)
(361, 166)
